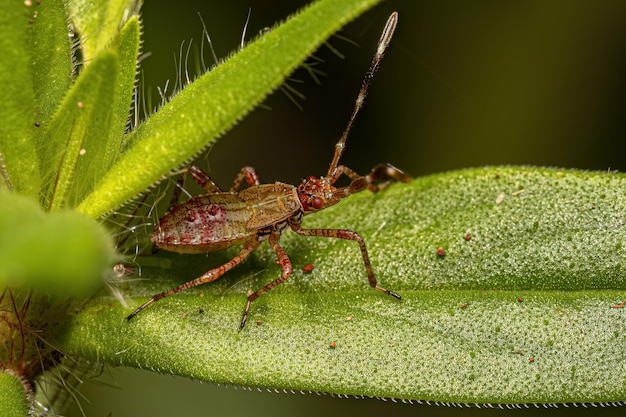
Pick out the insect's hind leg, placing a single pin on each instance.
(286, 268)
(203, 179)
(348, 235)
(209, 276)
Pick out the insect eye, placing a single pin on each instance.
(317, 203)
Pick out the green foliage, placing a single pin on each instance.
(17, 128)
(61, 254)
(49, 124)
(14, 399)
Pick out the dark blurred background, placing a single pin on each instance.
(463, 84)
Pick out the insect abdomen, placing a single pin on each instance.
(204, 224)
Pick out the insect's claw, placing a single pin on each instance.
(141, 307)
(133, 314)
(244, 318)
(389, 292)
(395, 295)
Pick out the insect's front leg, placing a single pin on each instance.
(347, 235)
(344, 170)
(378, 179)
(285, 265)
(384, 174)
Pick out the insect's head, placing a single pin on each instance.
(316, 193)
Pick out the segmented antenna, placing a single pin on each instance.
(383, 42)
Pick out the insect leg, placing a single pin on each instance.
(379, 178)
(384, 174)
(285, 265)
(209, 276)
(247, 173)
(344, 170)
(203, 179)
(347, 235)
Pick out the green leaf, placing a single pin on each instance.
(84, 137)
(112, 92)
(76, 133)
(51, 55)
(64, 254)
(98, 23)
(127, 47)
(212, 104)
(524, 307)
(19, 166)
(14, 400)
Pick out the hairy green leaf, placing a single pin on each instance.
(14, 400)
(127, 47)
(512, 285)
(84, 137)
(51, 55)
(98, 22)
(19, 167)
(63, 254)
(78, 131)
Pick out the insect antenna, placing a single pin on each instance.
(383, 42)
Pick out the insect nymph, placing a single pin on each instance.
(260, 212)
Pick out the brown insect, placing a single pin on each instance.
(262, 212)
